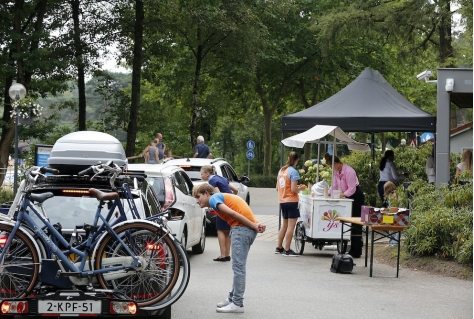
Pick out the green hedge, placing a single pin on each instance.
(262, 181)
(441, 221)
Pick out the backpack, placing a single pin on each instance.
(342, 263)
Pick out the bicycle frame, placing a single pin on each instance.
(80, 269)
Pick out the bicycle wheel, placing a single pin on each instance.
(19, 267)
(180, 285)
(299, 238)
(156, 277)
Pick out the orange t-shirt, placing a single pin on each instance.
(235, 203)
(284, 179)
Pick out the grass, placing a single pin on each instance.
(431, 264)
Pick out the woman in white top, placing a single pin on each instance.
(388, 173)
(465, 165)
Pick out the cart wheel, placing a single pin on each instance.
(299, 238)
(342, 247)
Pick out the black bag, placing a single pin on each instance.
(342, 263)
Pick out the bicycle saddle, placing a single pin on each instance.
(103, 196)
(39, 197)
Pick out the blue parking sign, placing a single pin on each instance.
(250, 154)
(250, 145)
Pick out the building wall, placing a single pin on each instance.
(460, 141)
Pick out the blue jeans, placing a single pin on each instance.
(396, 235)
(241, 238)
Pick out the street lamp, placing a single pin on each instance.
(17, 91)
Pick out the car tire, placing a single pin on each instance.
(247, 199)
(199, 247)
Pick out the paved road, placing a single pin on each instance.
(303, 287)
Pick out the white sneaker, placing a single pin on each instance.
(223, 303)
(231, 308)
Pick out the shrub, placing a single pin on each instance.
(6, 195)
(441, 221)
(262, 181)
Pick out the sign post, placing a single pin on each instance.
(250, 154)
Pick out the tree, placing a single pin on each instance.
(30, 56)
(193, 38)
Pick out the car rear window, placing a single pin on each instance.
(158, 186)
(194, 172)
(71, 211)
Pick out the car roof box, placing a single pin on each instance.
(77, 151)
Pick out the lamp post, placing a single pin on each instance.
(17, 91)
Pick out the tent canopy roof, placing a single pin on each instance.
(368, 104)
(317, 132)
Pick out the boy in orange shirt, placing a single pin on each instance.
(244, 228)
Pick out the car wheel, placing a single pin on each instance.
(199, 248)
(247, 199)
(184, 239)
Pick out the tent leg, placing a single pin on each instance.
(372, 145)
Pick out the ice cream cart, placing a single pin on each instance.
(318, 225)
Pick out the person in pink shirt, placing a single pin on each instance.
(345, 179)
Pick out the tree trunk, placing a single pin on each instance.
(136, 76)
(81, 85)
(445, 44)
(267, 162)
(195, 106)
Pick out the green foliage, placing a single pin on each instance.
(262, 181)
(6, 195)
(441, 221)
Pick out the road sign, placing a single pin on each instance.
(412, 142)
(250, 155)
(251, 145)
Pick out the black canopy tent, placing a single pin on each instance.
(368, 104)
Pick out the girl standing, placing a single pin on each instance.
(221, 185)
(288, 188)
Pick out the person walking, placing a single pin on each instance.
(288, 188)
(201, 150)
(389, 191)
(221, 185)
(161, 147)
(151, 155)
(345, 179)
(388, 173)
(244, 228)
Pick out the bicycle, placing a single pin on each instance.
(136, 256)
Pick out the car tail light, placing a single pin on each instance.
(12, 307)
(123, 308)
(75, 192)
(170, 198)
(3, 239)
(153, 246)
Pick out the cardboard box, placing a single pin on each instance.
(365, 212)
(378, 217)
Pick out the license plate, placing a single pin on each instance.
(69, 306)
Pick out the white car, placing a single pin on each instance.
(174, 190)
(192, 167)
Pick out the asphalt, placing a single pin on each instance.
(303, 287)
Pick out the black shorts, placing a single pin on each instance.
(289, 210)
(221, 224)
